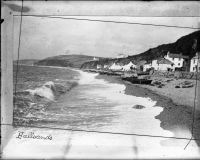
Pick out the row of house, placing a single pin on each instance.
(172, 62)
(118, 67)
(125, 67)
(169, 62)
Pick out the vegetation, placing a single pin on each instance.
(66, 60)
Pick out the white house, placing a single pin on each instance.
(160, 64)
(154, 64)
(115, 67)
(128, 66)
(95, 59)
(99, 66)
(194, 63)
(179, 60)
(105, 66)
(147, 66)
(165, 65)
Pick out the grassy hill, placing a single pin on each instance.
(183, 45)
(66, 60)
(26, 61)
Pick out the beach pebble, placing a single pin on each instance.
(138, 106)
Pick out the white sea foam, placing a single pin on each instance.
(87, 78)
(131, 120)
(45, 91)
(90, 78)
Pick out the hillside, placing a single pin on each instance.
(26, 61)
(66, 60)
(184, 45)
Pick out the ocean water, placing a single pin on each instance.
(56, 97)
(38, 87)
(67, 98)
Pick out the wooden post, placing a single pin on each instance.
(6, 76)
(197, 93)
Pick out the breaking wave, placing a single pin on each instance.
(31, 102)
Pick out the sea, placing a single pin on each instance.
(69, 98)
(58, 97)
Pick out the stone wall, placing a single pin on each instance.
(176, 74)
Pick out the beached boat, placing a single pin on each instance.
(136, 80)
(107, 72)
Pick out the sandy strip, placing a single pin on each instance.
(175, 116)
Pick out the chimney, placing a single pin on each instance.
(168, 53)
(197, 54)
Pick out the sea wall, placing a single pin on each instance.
(176, 74)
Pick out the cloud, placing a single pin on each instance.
(49, 37)
(16, 8)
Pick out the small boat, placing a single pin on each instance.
(135, 80)
(107, 73)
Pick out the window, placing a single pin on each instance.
(194, 61)
(193, 68)
(179, 64)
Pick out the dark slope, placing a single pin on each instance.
(25, 61)
(65, 60)
(184, 45)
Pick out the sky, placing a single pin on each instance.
(43, 37)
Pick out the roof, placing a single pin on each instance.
(123, 61)
(164, 61)
(172, 55)
(142, 62)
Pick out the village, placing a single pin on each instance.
(170, 62)
(154, 72)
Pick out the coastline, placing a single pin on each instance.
(103, 144)
(175, 117)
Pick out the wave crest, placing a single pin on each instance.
(34, 101)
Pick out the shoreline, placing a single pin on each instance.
(175, 117)
(128, 146)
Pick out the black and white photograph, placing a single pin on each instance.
(100, 80)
